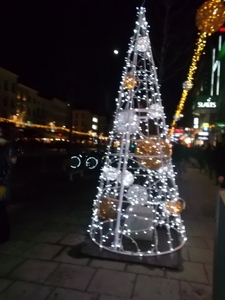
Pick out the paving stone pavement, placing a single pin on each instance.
(35, 263)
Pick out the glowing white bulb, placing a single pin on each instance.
(143, 43)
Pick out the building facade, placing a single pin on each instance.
(209, 91)
(27, 104)
(60, 113)
(8, 92)
(24, 106)
(84, 121)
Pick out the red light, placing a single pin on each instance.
(59, 134)
(222, 29)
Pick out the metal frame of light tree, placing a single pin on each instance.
(142, 176)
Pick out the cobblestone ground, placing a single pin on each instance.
(35, 264)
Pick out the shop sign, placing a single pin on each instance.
(207, 104)
(203, 133)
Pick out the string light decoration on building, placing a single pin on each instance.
(49, 127)
(209, 18)
(137, 208)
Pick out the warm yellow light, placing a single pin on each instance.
(49, 127)
(210, 16)
(175, 207)
(130, 81)
(156, 152)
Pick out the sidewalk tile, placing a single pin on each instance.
(195, 224)
(71, 220)
(71, 276)
(200, 232)
(210, 243)
(4, 283)
(209, 272)
(43, 251)
(55, 226)
(106, 264)
(72, 239)
(76, 229)
(196, 242)
(23, 234)
(33, 270)
(81, 220)
(84, 221)
(191, 272)
(211, 225)
(64, 257)
(8, 263)
(48, 237)
(148, 288)
(83, 213)
(188, 216)
(195, 291)
(146, 270)
(31, 225)
(105, 297)
(26, 291)
(63, 294)
(60, 217)
(184, 253)
(15, 247)
(207, 219)
(112, 283)
(201, 255)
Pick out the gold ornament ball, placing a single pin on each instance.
(154, 163)
(175, 207)
(210, 16)
(130, 81)
(158, 150)
(107, 209)
(153, 146)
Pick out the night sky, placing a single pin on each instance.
(64, 48)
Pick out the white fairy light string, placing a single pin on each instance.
(137, 207)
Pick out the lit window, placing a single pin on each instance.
(95, 120)
(94, 127)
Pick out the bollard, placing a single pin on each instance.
(219, 250)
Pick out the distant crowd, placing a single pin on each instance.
(207, 158)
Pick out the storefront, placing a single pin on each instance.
(204, 118)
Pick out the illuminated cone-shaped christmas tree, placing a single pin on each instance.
(137, 208)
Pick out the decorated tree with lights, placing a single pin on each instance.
(137, 207)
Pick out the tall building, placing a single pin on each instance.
(60, 112)
(8, 90)
(209, 91)
(27, 103)
(84, 121)
(25, 106)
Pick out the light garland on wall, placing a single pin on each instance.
(137, 208)
(209, 18)
(49, 127)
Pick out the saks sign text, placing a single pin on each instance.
(206, 105)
